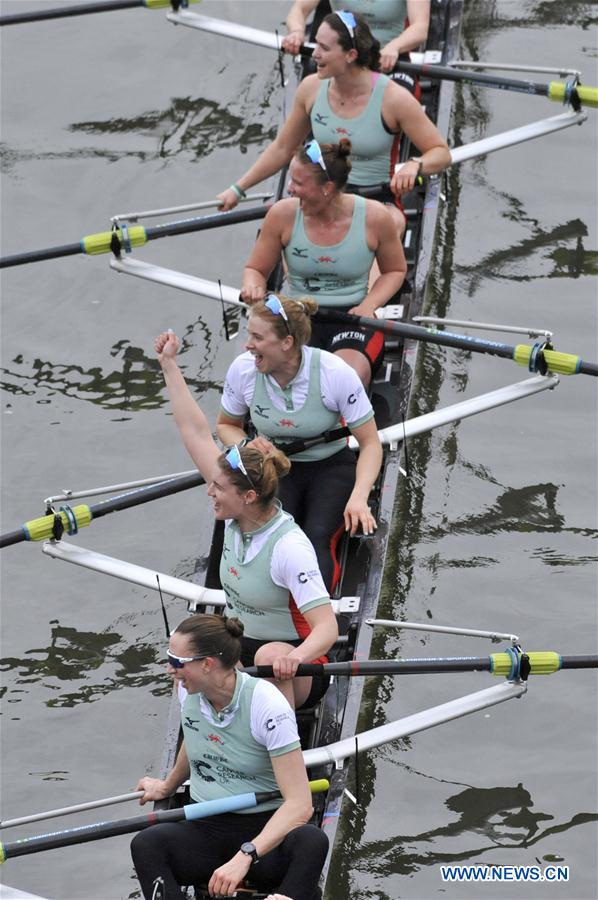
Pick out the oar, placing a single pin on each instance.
(69, 810)
(511, 663)
(135, 236)
(562, 92)
(99, 830)
(84, 9)
(73, 518)
(538, 358)
(125, 237)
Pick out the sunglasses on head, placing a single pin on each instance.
(350, 23)
(314, 152)
(277, 309)
(177, 662)
(233, 458)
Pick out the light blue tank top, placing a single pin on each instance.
(224, 757)
(307, 421)
(372, 147)
(268, 612)
(386, 18)
(335, 275)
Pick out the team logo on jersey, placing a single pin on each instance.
(190, 723)
(270, 724)
(287, 423)
(325, 259)
(215, 739)
(234, 571)
(343, 131)
(199, 765)
(309, 287)
(351, 399)
(303, 577)
(300, 252)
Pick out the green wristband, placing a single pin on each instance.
(238, 191)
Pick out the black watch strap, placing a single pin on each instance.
(249, 850)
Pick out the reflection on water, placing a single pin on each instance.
(489, 16)
(488, 818)
(188, 125)
(566, 261)
(136, 385)
(74, 655)
(530, 508)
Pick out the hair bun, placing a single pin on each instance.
(234, 626)
(344, 148)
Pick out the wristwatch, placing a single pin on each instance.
(249, 850)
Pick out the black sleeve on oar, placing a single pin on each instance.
(30, 256)
(63, 12)
(146, 494)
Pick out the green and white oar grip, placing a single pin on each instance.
(94, 244)
(541, 662)
(588, 96)
(561, 363)
(41, 529)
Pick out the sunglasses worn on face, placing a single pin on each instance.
(177, 662)
(277, 309)
(350, 23)
(314, 152)
(233, 458)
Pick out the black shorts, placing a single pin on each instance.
(333, 336)
(383, 194)
(319, 683)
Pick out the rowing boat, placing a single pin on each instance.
(362, 559)
(388, 506)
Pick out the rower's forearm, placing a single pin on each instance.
(411, 38)
(267, 164)
(190, 420)
(230, 434)
(292, 814)
(295, 19)
(319, 642)
(435, 160)
(385, 287)
(368, 467)
(253, 278)
(180, 771)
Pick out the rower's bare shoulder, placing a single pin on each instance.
(307, 90)
(377, 214)
(398, 99)
(281, 213)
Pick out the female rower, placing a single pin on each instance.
(268, 569)
(240, 736)
(329, 240)
(399, 25)
(294, 391)
(349, 97)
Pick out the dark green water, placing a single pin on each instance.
(496, 527)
